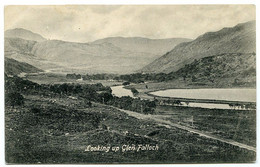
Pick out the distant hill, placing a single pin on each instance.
(23, 34)
(225, 70)
(138, 44)
(61, 56)
(18, 44)
(13, 67)
(96, 57)
(238, 39)
(21, 50)
(91, 58)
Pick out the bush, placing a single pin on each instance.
(148, 110)
(134, 91)
(35, 110)
(14, 99)
(126, 83)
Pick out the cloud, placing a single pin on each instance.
(105, 9)
(83, 23)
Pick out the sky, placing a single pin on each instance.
(86, 23)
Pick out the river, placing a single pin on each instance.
(243, 95)
(120, 91)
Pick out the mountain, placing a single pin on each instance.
(61, 56)
(224, 70)
(19, 45)
(238, 39)
(13, 67)
(94, 57)
(91, 58)
(23, 34)
(20, 50)
(138, 44)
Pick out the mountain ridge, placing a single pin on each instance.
(124, 55)
(224, 70)
(237, 39)
(14, 67)
(24, 34)
(141, 44)
(99, 57)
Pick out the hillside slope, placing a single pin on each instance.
(13, 67)
(238, 39)
(225, 70)
(24, 34)
(99, 57)
(21, 50)
(91, 58)
(76, 57)
(138, 44)
(19, 45)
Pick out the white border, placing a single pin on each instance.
(115, 2)
(62, 2)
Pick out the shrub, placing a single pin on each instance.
(126, 83)
(134, 91)
(14, 99)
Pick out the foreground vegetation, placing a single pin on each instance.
(237, 125)
(54, 123)
(90, 92)
(59, 132)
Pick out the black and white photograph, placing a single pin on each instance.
(130, 84)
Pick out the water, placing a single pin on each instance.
(119, 91)
(243, 95)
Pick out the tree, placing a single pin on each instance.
(89, 104)
(134, 91)
(126, 83)
(105, 97)
(148, 110)
(14, 99)
(193, 78)
(95, 120)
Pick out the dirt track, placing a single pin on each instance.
(169, 123)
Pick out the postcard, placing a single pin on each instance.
(130, 84)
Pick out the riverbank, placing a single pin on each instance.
(148, 92)
(229, 115)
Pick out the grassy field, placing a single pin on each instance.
(238, 125)
(58, 130)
